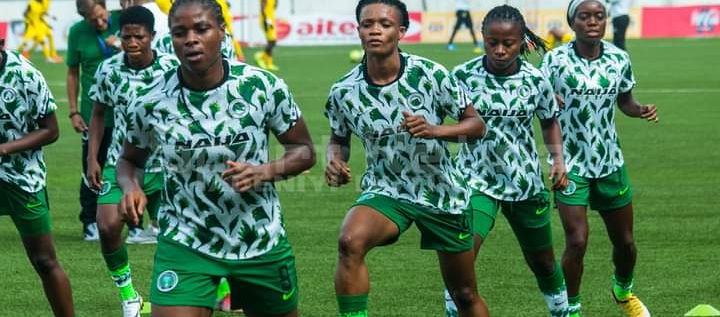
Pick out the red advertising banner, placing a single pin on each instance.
(691, 21)
(3, 30)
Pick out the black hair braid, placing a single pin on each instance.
(397, 4)
(211, 5)
(511, 14)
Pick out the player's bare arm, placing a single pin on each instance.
(130, 174)
(46, 133)
(632, 108)
(471, 126)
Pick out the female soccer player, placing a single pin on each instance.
(220, 215)
(27, 117)
(120, 80)
(591, 76)
(395, 103)
(503, 168)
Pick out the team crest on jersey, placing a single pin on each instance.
(571, 188)
(415, 101)
(8, 95)
(104, 189)
(238, 109)
(167, 281)
(524, 92)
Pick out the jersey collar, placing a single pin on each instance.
(577, 53)
(369, 81)
(226, 75)
(127, 63)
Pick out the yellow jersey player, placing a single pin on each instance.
(557, 37)
(38, 31)
(165, 7)
(264, 58)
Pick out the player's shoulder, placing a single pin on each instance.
(466, 69)
(349, 79)
(114, 61)
(244, 72)
(167, 61)
(615, 52)
(529, 69)
(19, 65)
(422, 62)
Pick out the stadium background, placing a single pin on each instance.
(673, 165)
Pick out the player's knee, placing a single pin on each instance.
(349, 246)
(464, 297)
(44, 264)
(576, 244)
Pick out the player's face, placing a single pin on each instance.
(590, 21)
(380, 29)
(196, 37)
(98, 17)
(503, 42)
(136, 41)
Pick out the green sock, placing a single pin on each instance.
(622, 286)
(119, 267)
(223, 289)
(353, 305)
(553, 282)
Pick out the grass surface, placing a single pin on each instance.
(673, 165)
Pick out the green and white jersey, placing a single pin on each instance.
(25, 99)
(590, 90)
(118, 85)
(504, 164)
(400, 166)
(196, 133)
(164, 44)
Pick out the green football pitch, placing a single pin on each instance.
(674, 166)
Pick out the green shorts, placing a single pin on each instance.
(29, 211)
(264, 285)
(529, 219)
(609, 193)
(111, 193)
(441, 232)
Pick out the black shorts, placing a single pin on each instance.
(463, 18)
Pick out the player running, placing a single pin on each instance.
(396, 103)
(27, 117)
(264, 58)
(138, 71)
(220, 215)
(38, 31)
(591, 76)
(503, 168)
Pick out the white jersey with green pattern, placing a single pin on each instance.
(504, 164)
(164, 45)
(400, 166)
(196, 133)
(117, 85)
(590, 90)
(24, 100)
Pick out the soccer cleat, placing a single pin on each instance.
(632, 306)
(478, 50)
(574, 314)
(272, 67)
(140, 236)
(90, 232)
(132, 307)
(260, 59)
(451, 47)
(54, 60)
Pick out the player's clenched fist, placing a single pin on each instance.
(243, 176)
(337, 173)
(132, 206)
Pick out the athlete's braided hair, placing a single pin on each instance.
(397, 4)
(210, 5)
(507, 13)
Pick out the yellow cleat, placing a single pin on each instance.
(478, 50)
(632, 306)
(272, 67)
(260, 60)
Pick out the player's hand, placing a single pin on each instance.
(649, 113)
(132, 206)
(113, 41)
(560, 101)
(558, 175)
(78, 124)
(243, 176)
(418, 126)
(94, 174)
(337, 173)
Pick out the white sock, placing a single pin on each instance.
(557, 303)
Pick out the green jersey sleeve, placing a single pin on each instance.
(336, 117)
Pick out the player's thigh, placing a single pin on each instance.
(611, 192)
(110, 192)
(530, 220)
(180, 311)
(458, 270)
(183, 277)
(266, 285)
(484, 209)
(444, 232)
(375, 220)
(30, 212)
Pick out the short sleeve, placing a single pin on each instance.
(452, 98)
(627, 81)
(547, 107)
(139, 127)
(284, 112)
(336, 117)
(98, 91)
(43, 104)
(72, 55)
